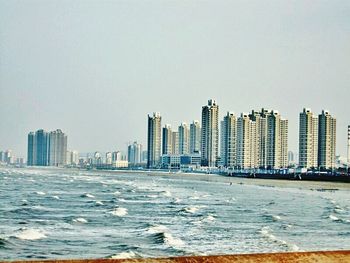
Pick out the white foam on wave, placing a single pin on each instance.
(167, 237)
(56, 197)
(171, 241)
(120, 211)
(276, 218)
(40, 193)
(177, 200)
(156, 229)
(166, 193)
(80, 220)
(31, 234)
(124, 255)
(89, 195)
(99, 203)
(210, 218)
(333, 217)
(152, 196)
(191, 209)
(117, 193)
(266, 233)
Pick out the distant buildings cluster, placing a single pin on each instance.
(8, 157)
(254, 140)
(258, 139)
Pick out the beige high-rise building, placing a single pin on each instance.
(228, 140)
(184, 138)
(195, 137)
(167, 140)
(284, 143)
(57, 148)
(277, 141)
(154, 140)
(326, 140)
(246, 128)
(308, 139)
(210, 134)
(175, 142)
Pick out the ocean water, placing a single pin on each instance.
(62, 213)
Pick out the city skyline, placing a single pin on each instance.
(87, 76)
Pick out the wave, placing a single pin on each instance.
(166, 193)
(152, 196)
(40, 193)
(30, 234)
(191, 209)
(117, 193)
(124, 255)
(266, 233)
(87, 195)
(273, 218)
(56, 197)
(99, 203)
(80, 220)
(162, 235)
(120, 211)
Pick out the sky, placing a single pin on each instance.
(95, 69)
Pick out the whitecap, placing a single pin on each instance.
(156, 229)
(171, 241)
(40, 193)
(56, 197)
(99, 203)
(88, 195)
(30, 234)
(191, 209)
(120, 211)
(166, 193)
(152, 196)
(276, 218)
(80, 220)
(334, 218)
(116, 193)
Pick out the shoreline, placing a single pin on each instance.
(215, 177)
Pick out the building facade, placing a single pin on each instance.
(308, 139)
(195, 137)
(326, 140)
(210, 134)
(184, 138)
(348, 159)
(57, 148)
(134, 154)
(166, 139)
(154, 140)
(228, 140)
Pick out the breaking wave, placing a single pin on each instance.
(162, 235)
(30, 234)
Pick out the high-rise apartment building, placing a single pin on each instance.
(228, 140)
(175, 142)
(308, 139)
(326, 140)
(167, 140)
(195, 137)
(41, 148)
(184, 138)
(210, 134)
(134, 153)
(57, 148)
(277, 141)
(246, 130)
(108, 158)
(154, 140)
(31, 154)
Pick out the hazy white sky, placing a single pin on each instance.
(95, 69)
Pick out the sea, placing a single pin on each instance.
(57, 213)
